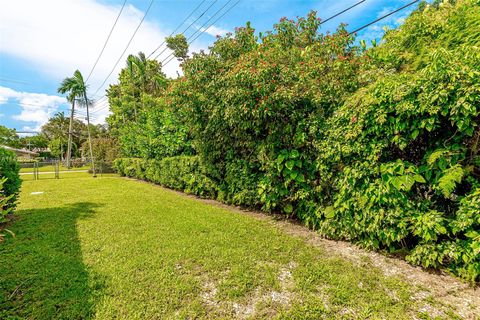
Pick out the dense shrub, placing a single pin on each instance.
(379, 146)
(401, 155)
(183, 173)
(5, 207)
(9, 170)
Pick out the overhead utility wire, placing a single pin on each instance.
(383, 17)
(342, 12)
(21, 104)
(100, 104)
(13, 81)
(106, 41)
(191, 24)
(100, 107)
(126, 48)
(178, 27)
(204, 24)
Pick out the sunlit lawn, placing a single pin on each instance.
(110, 248)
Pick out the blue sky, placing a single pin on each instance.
(41, 42)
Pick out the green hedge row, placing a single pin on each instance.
(9, 170)
(183, 173)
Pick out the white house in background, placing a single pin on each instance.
(22, 152)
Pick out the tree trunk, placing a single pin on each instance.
(69, 148)
(89, 136)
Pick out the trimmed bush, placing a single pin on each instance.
(9, 169)
(183, 173)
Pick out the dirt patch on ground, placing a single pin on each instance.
(450, 292)
(249, 307)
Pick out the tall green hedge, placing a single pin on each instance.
(9, 170)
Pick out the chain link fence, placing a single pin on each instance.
(56, 169)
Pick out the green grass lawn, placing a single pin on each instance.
(112, 248)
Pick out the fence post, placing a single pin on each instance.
(57, 169)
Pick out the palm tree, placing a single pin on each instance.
(146, 76)
(77, 89)
(69, 85)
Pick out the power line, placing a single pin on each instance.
(383, 17)
(106, 41)
(126, 48)
(178, 27)
(101, 109)
(205, 23)
(100, 106)
(100, 101)
(342, 12)
(13, 81)
(183, 32)
(60, 105)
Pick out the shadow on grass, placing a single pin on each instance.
(42, 275)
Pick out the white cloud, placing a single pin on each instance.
(214, 30)
(36, 107)
(58, 36)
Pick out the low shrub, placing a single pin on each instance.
(9, 170)
(184, 173)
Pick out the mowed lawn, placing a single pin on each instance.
(113, 248)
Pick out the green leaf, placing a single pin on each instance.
(472, 234)
(408, 182)
(294, 154)
(293, 175)
(300, 178)
(280, 158)
(441, 230)
(414, 134)
(451, 177)
(288, 208)
(329, 212)
(397, 183)
(289, 164)
(419, 178)
(435, 156)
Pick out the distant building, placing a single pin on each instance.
(23, 153)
